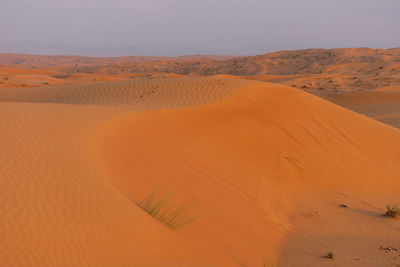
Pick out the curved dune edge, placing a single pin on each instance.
(56, 208)
(261, 164)
(256, 162)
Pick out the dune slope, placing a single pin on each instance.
(259, 162)
(382, 105)
(266, 164)
(57, 210)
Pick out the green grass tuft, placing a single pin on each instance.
(176, 218)
(393, 211)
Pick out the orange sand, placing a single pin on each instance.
(382, 104)
(268, 164)
(24, 77)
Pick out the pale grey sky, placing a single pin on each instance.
(178, 27)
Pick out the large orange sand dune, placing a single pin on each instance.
(268, 165)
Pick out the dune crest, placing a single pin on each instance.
(263, 161)
(265, 154)
(56, 208)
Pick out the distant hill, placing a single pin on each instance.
(63, 60)
(313, 70)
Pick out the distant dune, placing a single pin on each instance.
(382, 105)
(312, 70)
(268, 165)
(318, 71)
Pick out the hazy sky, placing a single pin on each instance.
(177, 27)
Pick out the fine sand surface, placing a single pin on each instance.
(382, 105)
(268, 166)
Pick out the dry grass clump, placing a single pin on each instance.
(393, 211)
(175, 218)
(329, 255)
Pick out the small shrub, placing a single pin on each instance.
(175, 219)
(393, 211)
(5, 78)
(329, 255)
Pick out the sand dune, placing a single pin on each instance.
(28, 77)
(22, 77)
(268, 165)
(57, 210)
(155, 92)
(382, 105)
(311, 70)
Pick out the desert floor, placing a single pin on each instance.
(267, 174)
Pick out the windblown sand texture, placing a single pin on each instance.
(269, 166)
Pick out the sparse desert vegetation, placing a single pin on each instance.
(249, 151)
(187, 133)
(173, 218)
(291, 68)
(329, 255)
(393, 211)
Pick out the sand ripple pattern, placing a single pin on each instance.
(55, 208)
(150, 92)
